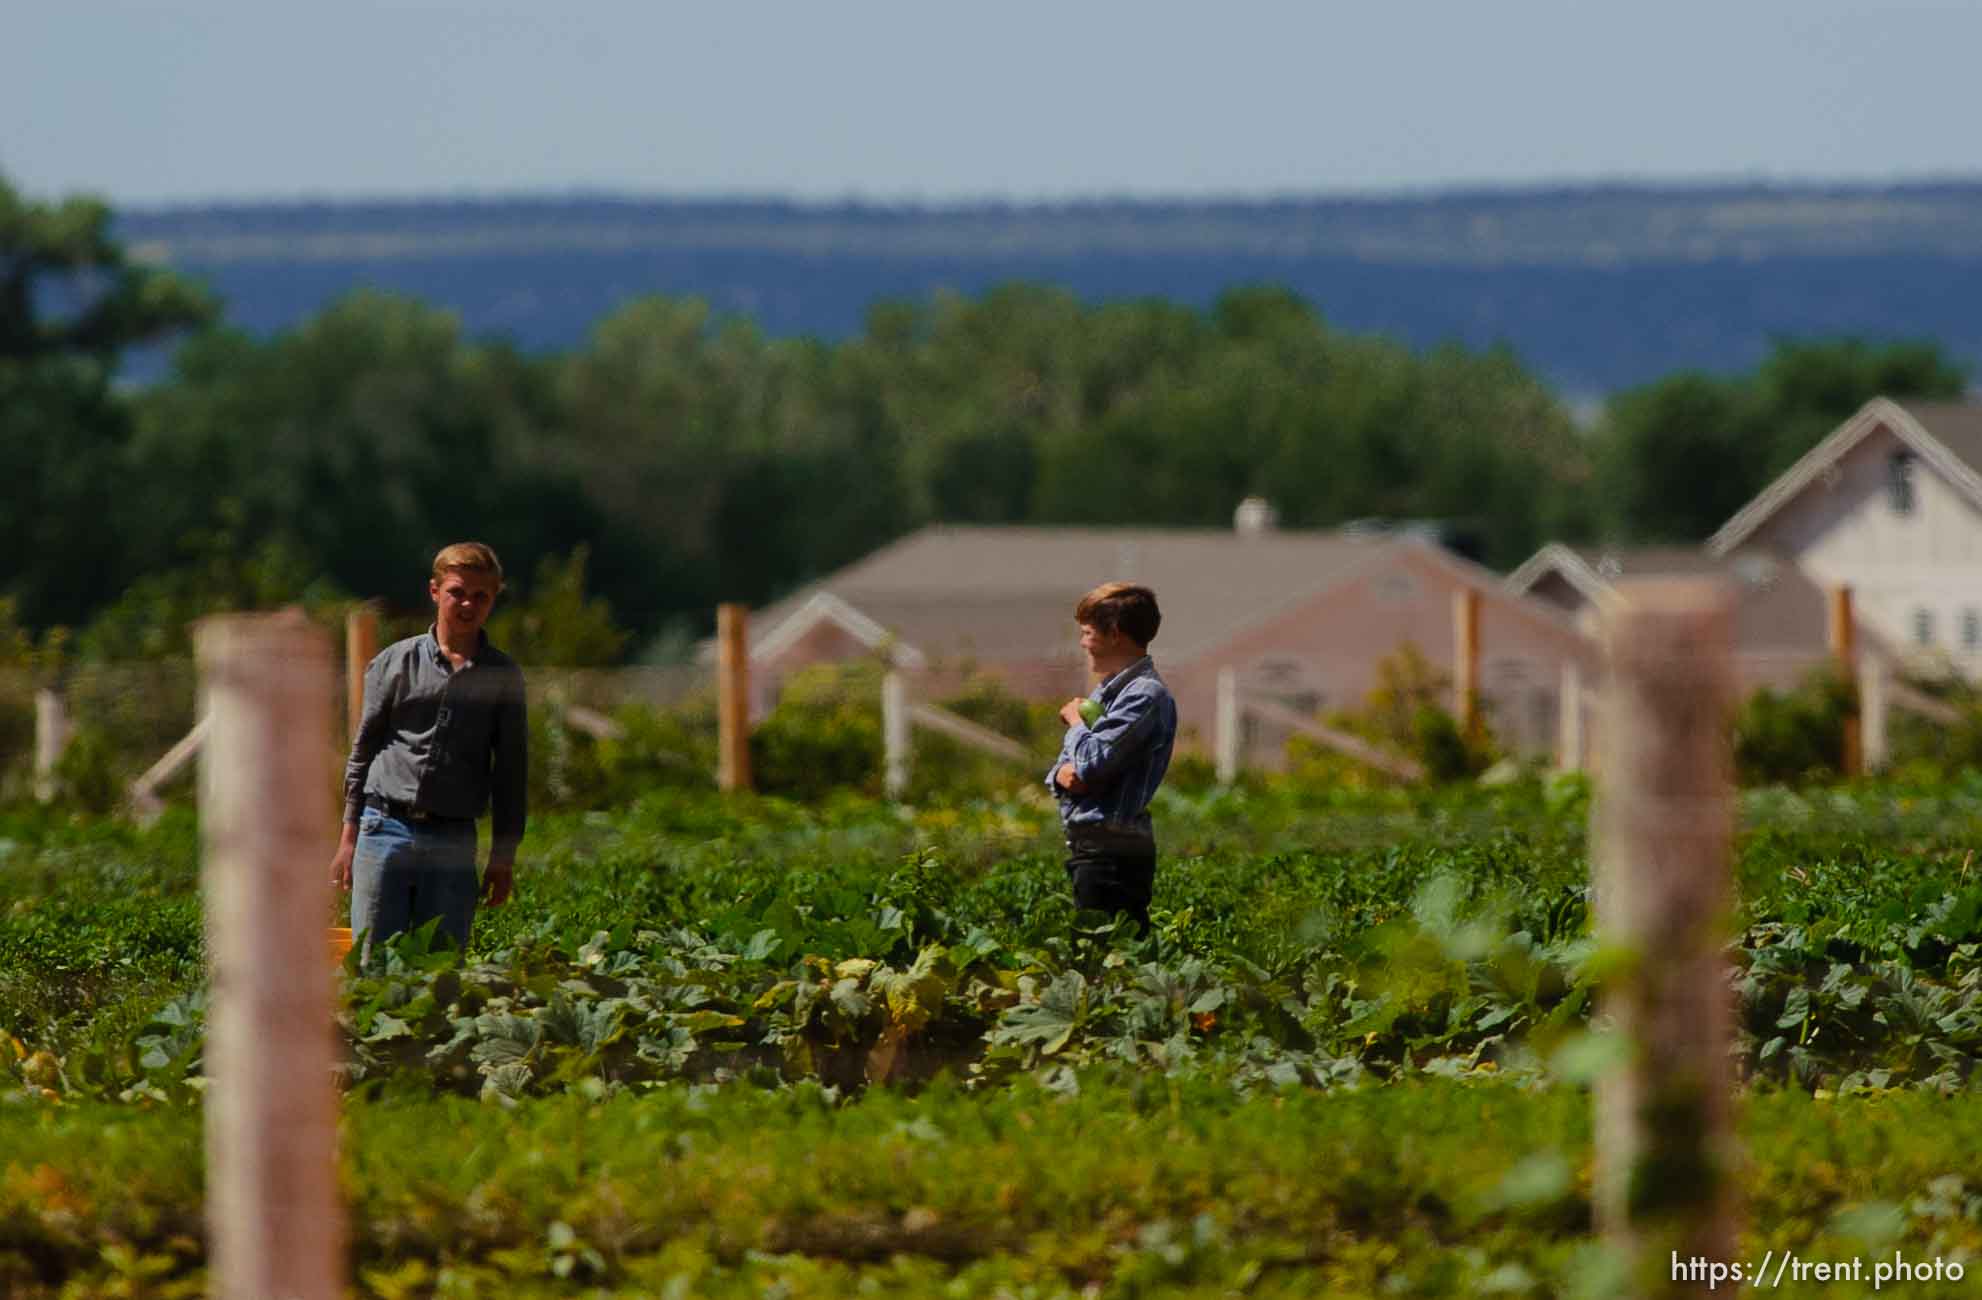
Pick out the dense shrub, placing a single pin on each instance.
(1796, 735)
(1932, 749)
(1405, 714)
(824, 734)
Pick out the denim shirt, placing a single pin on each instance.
(448, 741)
(1121, 758)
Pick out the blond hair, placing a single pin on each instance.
(470, 557)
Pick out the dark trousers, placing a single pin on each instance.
(1112, 882)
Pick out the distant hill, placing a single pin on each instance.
(1597, 288)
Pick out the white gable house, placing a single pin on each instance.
(1891, 504)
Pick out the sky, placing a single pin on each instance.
(157, 103)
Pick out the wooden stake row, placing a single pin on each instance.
(1661, 832)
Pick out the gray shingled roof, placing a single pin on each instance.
(1778, 607)
(1955, 425)
(1009, 592)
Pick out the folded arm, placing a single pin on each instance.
(1099, 753)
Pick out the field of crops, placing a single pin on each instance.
(753, 1048)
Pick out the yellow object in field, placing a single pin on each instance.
(340, 942)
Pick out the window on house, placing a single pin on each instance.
(1971, 629)
(1541, 716)
(1899, 482)
(1277, 673)
(1923, 627)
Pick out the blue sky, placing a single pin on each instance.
(152, 102)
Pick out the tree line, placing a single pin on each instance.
(679, 458)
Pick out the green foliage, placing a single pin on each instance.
(219, 572)
(71, 303)
(1405, 713)
(1794, 736)
(1676, 458)
(26, 662)
(824, 735)
(1934, 749)
(699, 460)
(849, 1050)
(362, 441)
(1448, 754)
(90, 775)
(653, 749)
(946, 770)
(750, 940)
(1198, 1192)
(73, 292)
(556, 624)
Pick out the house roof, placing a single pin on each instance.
(1002, 593)
(1778, 608)
(1955, 425)
(1007, 593)
(1947, 436)
(1592, 570)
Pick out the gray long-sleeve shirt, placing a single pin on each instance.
(447, 741)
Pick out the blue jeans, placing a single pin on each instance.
(406, 873)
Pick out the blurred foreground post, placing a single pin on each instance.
(1229, 724)
(266, 817)
(51, 737)
(1466, 661)
(361, 646)
(895, 732)
(1844, 646)
(1662, 825)
(732, 697)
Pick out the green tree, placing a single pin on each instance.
(1810, 387)
(1679, 456)
(555, 623)
(361, 442)
(216, 571)
(72, 303)
(1264, 398)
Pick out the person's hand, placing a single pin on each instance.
(1068, 780)
(497, 882)
(1070, 712)
(340, 868)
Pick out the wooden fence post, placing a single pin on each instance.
(51, 737)
(1229, 725)
(1569, 719)
(733, 697)
(267, 826)
(361, 646)
(1276, 714)
(1844, 645)
(1872, 707)
(1466, 661)
(895, 732)
(1661, 831)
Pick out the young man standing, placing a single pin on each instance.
(1108, 769)
(444, 735)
